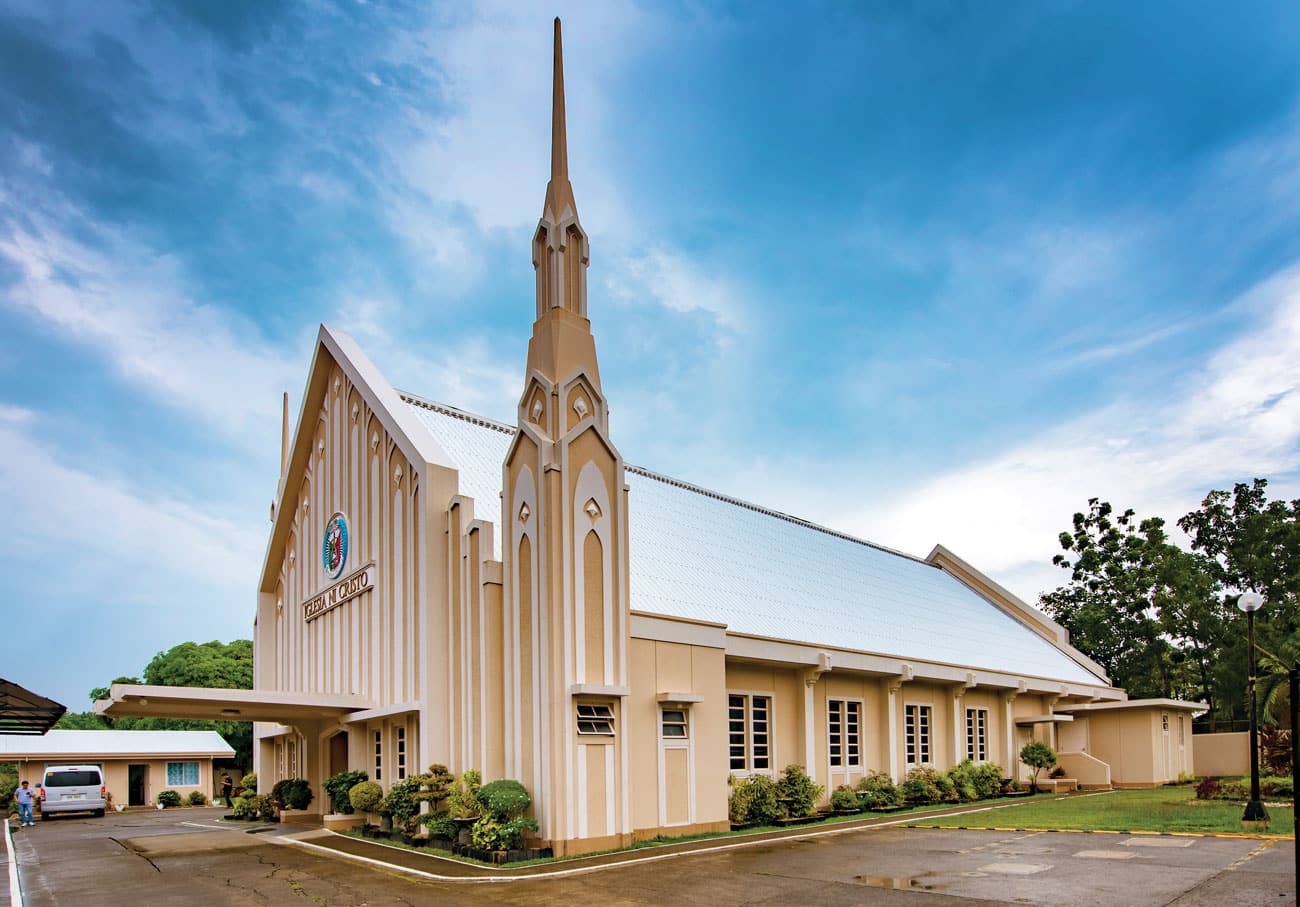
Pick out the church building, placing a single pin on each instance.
(439, 587)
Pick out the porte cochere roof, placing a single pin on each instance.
(698, 555)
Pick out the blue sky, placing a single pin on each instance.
(933, 272)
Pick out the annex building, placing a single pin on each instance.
(443, 588)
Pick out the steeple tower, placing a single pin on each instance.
(562, 334)
(564, 549)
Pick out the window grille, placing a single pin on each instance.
(401, 753)
(595, 720)
(844, 733)
(918, 734)
(673, 723)
(748, 731)
(379, 755)
(977, 735)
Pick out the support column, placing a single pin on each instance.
(895, 685)
(810, 678)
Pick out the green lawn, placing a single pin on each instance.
(1165, 809)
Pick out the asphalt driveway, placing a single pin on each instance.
(187, 856)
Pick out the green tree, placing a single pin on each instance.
(1128, 585)
(1038, 756)
(209, 664)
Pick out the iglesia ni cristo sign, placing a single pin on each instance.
(346, 589)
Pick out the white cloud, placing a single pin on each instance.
(678, 284)
(99, 519)
(130, 306)
(1236, 418)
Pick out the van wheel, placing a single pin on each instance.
(99, 814)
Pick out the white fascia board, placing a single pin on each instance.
(1169, 705)
(668, 629)
(414, 440)
(388, 711)
(775, 651)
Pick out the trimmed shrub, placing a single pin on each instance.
(796, 786)
(169, 798)
(401, 804)
(462, 799)
(439, 825)
(249, 783)
(337, 787)
(754, 800)
(845, 799)
(366, 795)
(1038, 756)
(506, 797)
(261, 805)
(922, 786)
(879, 791)
(197, 798)
(292, 793)
(239, 807)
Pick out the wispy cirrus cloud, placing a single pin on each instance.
(1235, 418)
(132, 307)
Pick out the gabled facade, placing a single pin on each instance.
(441, 588)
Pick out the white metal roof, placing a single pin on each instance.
(703, 556)
(87, 746)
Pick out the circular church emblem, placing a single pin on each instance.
(334, 551)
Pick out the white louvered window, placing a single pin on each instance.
(844, 733)
(917, 734)
(673, 723)
(977, 735)
(595, 719)
(749, 732)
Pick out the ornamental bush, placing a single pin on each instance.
(402, 805)
(292, 793)
(337, 787)
(504, 798)
(1208, 789)
(845, 799)
(925, 785)
(754, 800)
(462, 799)
(439, 825)
(249, 783)
(239, 807)
(1038, 756)
(796, 786)
(879, 791)
(197, 798)
(365, 796)
(493, 833)
(169, 798)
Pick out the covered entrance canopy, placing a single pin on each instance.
(24, 712)
(279, 706)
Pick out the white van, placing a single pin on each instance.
(73, 789)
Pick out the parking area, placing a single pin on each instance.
(168, 857)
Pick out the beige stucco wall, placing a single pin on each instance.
(681, 784)
(1141, 752)
(1221, 755)
(116, 774)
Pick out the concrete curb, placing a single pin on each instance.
(15, 886)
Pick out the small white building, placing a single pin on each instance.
(137, 765)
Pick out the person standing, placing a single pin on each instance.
(24, 797)
(227, 788)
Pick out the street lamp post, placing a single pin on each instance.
(1255, 814)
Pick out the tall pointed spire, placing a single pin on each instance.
(559, 141)
(559, 192)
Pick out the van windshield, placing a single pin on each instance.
(72, 779)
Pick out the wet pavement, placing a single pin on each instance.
(187, 856)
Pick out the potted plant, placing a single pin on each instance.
(462, 804)
(500, 828)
